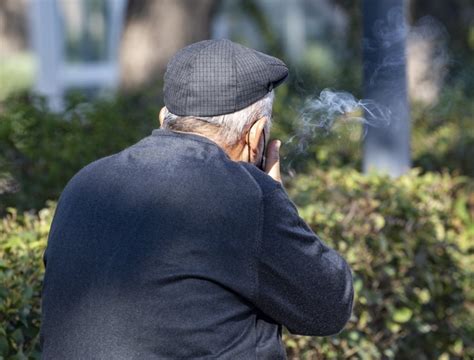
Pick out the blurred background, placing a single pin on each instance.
(82, 79)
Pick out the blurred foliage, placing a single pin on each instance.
(40, 151)
(408, 241)
(443, 137)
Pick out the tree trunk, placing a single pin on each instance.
(387, 149)
(13, 29)
(155, 30)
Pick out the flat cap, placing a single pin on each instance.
(216, 77)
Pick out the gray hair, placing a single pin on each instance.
(229, 128)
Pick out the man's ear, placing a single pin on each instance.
(255, 136)
(161, 116)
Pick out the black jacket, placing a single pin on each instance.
(170, 250)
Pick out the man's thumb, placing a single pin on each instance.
(272, 166)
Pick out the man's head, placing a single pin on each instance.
(242, 134)
(224, 91)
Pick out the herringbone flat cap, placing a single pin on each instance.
(216, 77)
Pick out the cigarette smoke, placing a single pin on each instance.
(331, 109)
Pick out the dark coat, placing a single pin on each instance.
(171, 250)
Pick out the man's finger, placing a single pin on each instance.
(272, 166)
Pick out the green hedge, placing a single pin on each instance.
(22, 242)
(409, 243)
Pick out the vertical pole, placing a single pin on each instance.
(295, 29)
(116, 12)
(116, 19)
(46, 40)
(386, 149)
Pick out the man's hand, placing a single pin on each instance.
(272, 166)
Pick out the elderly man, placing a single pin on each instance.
(186, 245)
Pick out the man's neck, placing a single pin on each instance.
(234, 152)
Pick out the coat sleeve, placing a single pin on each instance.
(302, 283)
